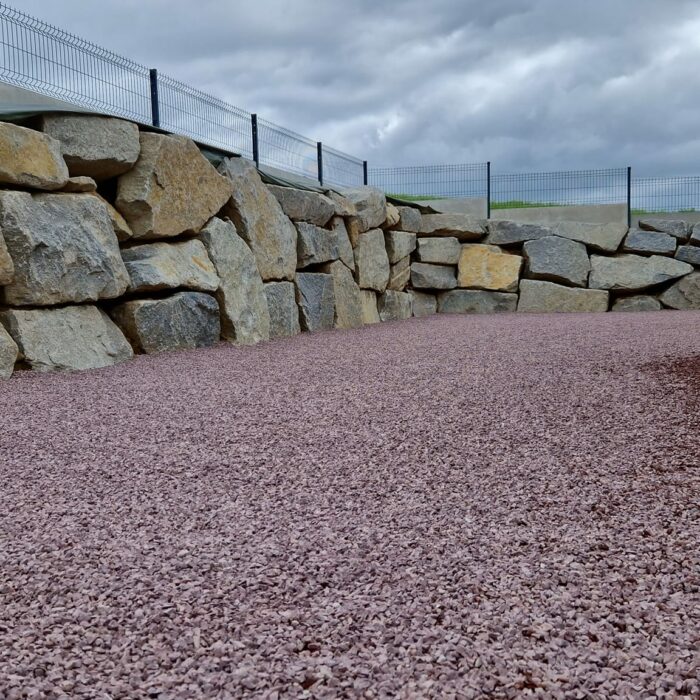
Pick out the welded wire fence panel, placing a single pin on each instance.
(341, 169)
(39, 57)
(433, 181)
(665, 194)
(287, 150)
(206, 119)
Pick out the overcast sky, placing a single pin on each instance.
(527, 84)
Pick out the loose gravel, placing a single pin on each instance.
(453, 507)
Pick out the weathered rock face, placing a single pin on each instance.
(677, 229)
(63, 248)
(30, 159)
(69, 338)
(459, 226)
(316, 300)
(260, 221)
(557, 260)
(370, 204)
(80, 183)
(371, 261)
(283, 309)
(394, 306)
(95, 146)
(155, 266)
(400, 274)
(315, 245)
(8, 354)
(423, 304)
(546, 297)
(685, 253)
(633, 272)
(172, 188)
(441, 251)
(7, 267)
(304, 205)
(603, 237)
(638, 241)
(640, 302)
(343, 206)
(427, 276)
(370, 313)
(392, 216)
(184, 320)
(469, 301)
(399, 244)
(512, 232)
(348, 297)
(121, 228)
(488, 267)
(684, 294)
(409, 219)
(245, 318)
(345, 251)
(695, 235)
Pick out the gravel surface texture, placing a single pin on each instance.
(453, 507)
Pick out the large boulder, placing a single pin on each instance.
(94, 146)
(685, 253)
(8, 354)
(68, 338)
(634, 272)
(502, 232)
(695, 235)
(400, 274)
(639, 302)
(394, 306)
(487, 267)
(460, 226)
(370, 204)
(423, 304)
(315, 245)
(392, 216)
(602, 237)
(184, 320)
(684, 294)
(345, 251)
(155, 266)
(348, 296)
(557, 260)
(343, 206)
(260, 221)
(371, 261)
(283, 309)
(537, 296)
(673, 227)
(471, 301)
(245, 318)
(410, 219)
(427, 276)
(638, 241)
(370, 312)
(63, 248)
(172, 188)
(316, 300)
(29, 158)
(7, 267)
(304, 205)
(441, 251)
(399, 244)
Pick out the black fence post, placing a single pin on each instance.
(488, 189)
(319, 152)
(365, 173)
(155, 107)
(256, 150)
(629, 195)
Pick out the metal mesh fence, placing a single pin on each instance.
(341, 169)
(287, 150)
(665, 194)
(432, 181)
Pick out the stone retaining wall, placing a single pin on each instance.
(115, 241)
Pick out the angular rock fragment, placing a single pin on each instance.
(487, 267)
(283, 309)
(689, 254)
(557, 259)
(638, 241)
(427, 276)
(7, 267)
(673, 227)
(546, 297)
(399, 244)
(471, 301)
(441, 251)
(512, 232)
(315, 245)
(345, 251)
(316, 300)
(423, 304)
(684, 294)
(603, 237)
(370, 204)
(348, 296)
(400, 274)
(392, 216)
(460, 226)
(304, 205)
(410, 219)
(394, 306)
(640, 302)
(634, 272)
(80, 184)
(8, 354)
(371, 261)
(370, 313)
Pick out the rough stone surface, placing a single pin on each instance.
(316, 300)
(370, 204)
(673, 227)
(633, 272)
(695, 235)
(7, 267)
(400, 274)
(558, 260)
(537, 296)
(345, 251)
(410, 219)
(639, 302)
(427, 276)
(315, 245)
(392, 216)
(348, 297)
(343, 206)
(304, 205)
(245, 318)
(487, 267)
(172, 188)
(399, 244)
(260, 221)
(512, 232)
(472, 301)
(69, 338)
(8, 354)
(394, 306)
(689, 254)
(29, 158)
(371, 261)
(423, 304)
(638, 241)
(370, 313)
(460, 226)
(283, 309)
(121, 228)
(442, 251)
(602, 237)
(156, 266)
(94, 146)
(80, 183)
(184, 320)
(684, 294)
(63, 247)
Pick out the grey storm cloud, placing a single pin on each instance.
(527, 84)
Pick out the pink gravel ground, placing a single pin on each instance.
(458, 507)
